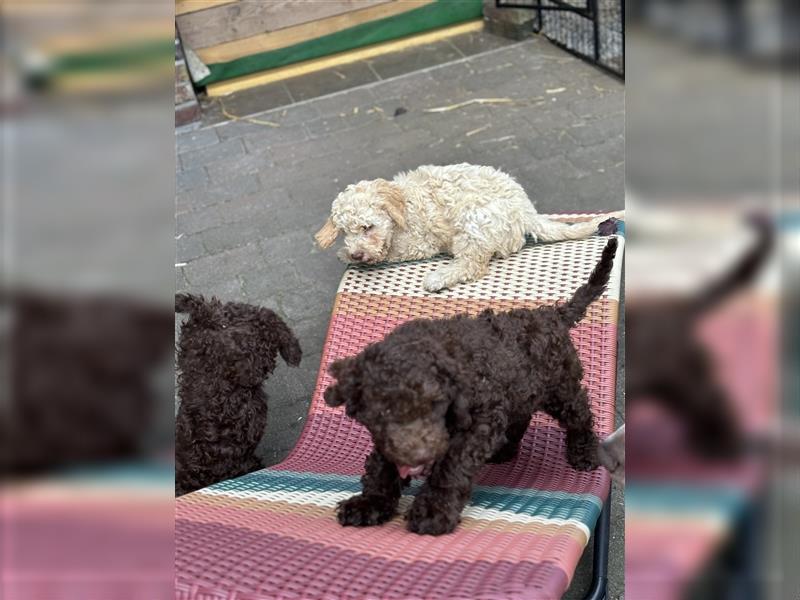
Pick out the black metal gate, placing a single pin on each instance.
(592, 29)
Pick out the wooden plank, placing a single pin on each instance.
(184, 7)
(307, 31)
(242, 19)
(223, 88)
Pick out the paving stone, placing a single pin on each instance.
(329, 81)
(599, 104)
(604, 156)
(293, 114)
(457, 72)
(320, 266)
(408, 85)
(414, 59)
(344, 101)
(191, 179)
(264, 282)
(252, 163)
(356, 117)
(202, 156)
(442, 124)
(233, 235)
(195, 140)
(202, 197)
(303, 304)
(478, 42)
(596, 132)
(227, 290)
(219, 267)
(189, 247)
(265, 138)
(253, 207)
(255, 100)
(499, 74)
(316, 192)
(605, 190)
(547, 117)
(198, 220)
(256, 215)
(546, 144)
(283, 249)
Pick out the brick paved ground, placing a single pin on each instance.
(250, 196)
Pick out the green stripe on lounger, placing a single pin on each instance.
(327, 488)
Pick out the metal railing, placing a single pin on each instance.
(591, 29)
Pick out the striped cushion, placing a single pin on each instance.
(273, 533)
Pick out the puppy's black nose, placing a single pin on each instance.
(357, 256)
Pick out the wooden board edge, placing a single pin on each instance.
(281, 38)
(224, 88)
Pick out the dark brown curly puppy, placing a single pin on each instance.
(225, 353)
(447, 396)
(668, 363)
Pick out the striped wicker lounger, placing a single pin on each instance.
(273, 533)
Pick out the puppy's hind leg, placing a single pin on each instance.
(470, 263)
(571, 409)
(514, 434)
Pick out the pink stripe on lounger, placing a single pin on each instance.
(270, 566)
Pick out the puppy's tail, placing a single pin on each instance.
(574, 310)
(743, 273)
(546, 230)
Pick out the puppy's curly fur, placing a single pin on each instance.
(468, 211)
(224, 354)
(447, 396)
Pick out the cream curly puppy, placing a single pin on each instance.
(468, 211)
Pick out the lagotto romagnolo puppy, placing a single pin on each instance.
(444, 397)
(225, 353)
(471, 212)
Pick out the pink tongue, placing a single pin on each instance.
(406, 470)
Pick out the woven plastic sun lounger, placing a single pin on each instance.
(273, 533)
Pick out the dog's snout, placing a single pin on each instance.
(357, 255)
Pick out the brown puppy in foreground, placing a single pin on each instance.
(445, 397)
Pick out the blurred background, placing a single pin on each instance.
(86, 299)
(712, 111)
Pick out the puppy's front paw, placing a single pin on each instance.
(365, 511)
(435, 282)
(431, 516)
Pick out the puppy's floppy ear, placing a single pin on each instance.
(327, 235)
(288, 346)
(393, 200)
(336, 394)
